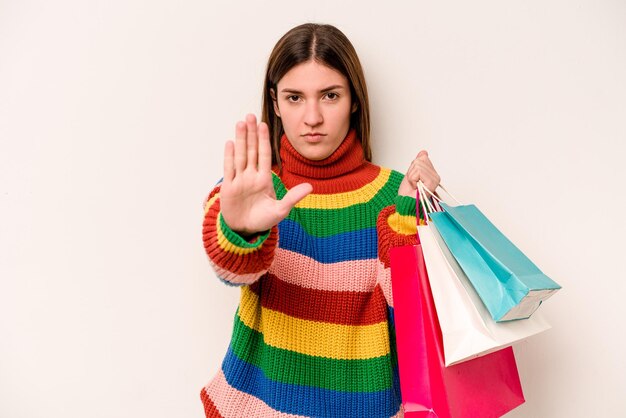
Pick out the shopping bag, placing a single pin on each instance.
(486, 386)
(508, 283)
(467, 328)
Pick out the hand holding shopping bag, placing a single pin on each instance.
(467, 329)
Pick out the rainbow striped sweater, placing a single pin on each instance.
(313, 333)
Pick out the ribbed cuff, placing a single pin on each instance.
(239, 241)
(405, 205)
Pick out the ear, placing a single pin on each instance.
(355, 106)
(275, 102)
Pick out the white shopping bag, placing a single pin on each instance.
(467, 328)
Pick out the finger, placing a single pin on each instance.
(229, 161)
(420, 164)
(293, 196)
(252, 141)
(418, 172)
(428, 162)
(428, 176)
(413, 177)
(240, 147)
(265, 149)
(416, 167)
(423, 156)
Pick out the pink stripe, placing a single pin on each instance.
(237, 278)
(384, 278)
(350, 276)
(233, 403)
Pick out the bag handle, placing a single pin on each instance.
(424, 202)
(437, 198)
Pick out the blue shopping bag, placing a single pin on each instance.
(508, 283)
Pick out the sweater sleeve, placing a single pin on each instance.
(396, 226)
(236, 261)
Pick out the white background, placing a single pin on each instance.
(112, 119)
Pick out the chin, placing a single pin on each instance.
(317, 157)
(315, 154)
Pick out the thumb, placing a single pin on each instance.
(422, 153)
(296, 194)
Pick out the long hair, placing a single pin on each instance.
(326, 45)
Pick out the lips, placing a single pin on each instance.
(314, 137)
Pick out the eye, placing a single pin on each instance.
(332, 96)
(293, 98)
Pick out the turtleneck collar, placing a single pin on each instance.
(346, 158)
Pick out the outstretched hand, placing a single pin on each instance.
(247, 198)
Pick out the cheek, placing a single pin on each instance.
(290, 113)
(290, 122)
(344, 113)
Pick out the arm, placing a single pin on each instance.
(397, 224)
(241, 214)
(235, 259)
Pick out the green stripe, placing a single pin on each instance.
(300, 369)
(405, 205)
(279, 187)
(237, 240)
(326, 222)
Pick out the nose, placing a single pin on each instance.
(313, 114)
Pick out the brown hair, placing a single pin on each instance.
(326, 45)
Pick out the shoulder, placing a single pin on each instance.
(392, 177)
(384, 187)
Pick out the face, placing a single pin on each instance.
(314, 104)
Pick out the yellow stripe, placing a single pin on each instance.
(343, 200)
(313, 338)
(210, 202)
(403, 224)
(226, 245)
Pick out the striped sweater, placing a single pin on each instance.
(313, 332)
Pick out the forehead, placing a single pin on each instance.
(311, 75)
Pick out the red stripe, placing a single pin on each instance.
(210, 410)
(238, 264)
(337, 307)
(215, 191)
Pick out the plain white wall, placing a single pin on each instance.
(112, 120)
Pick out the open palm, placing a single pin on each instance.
(247, 198)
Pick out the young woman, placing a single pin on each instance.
(303, 221)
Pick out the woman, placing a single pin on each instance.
(303, 222)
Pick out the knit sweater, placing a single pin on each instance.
(313, 332)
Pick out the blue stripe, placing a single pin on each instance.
(347, 246)
(229, 283)
(307, 400)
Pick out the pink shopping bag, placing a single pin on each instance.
(483, 387)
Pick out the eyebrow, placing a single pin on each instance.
(333, 87)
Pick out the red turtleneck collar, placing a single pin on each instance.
(347, 162)
(347, 157)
